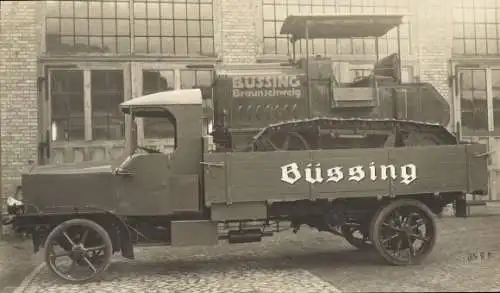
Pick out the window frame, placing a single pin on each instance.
(461, 36)
(487, 69)
(86, 69)
(214, 37)
(368, 67)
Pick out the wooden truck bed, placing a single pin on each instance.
(260, 177)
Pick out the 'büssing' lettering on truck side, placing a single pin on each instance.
(313, 173)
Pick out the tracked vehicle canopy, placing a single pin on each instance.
(339, 26)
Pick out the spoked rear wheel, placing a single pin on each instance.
(78, 250)
(403, 232)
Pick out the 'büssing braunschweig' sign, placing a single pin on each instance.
(266, 86)
(314, 173)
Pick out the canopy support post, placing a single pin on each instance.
(374, 77)
(398, 76)
(308, 81)
(395, 94)
(400, 69)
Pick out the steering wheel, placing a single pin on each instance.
(148, 149)
(285, 145)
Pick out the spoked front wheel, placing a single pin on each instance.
(78, 250)
(403, 232)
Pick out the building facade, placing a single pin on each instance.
(66, 65)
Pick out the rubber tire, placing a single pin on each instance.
(354, 241)
(108, 247)
(380, 216)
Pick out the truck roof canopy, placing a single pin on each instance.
(166, 98)
(340, 26)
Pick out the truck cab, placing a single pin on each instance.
(168, 182)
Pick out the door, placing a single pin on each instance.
(478, 114)
(81, 117)
(156, 77)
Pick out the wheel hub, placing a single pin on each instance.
(78, 251)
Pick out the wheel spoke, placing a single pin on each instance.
(84, 236)
(95, 248)
(353, 225)
(419, 237)
(68, 238)
(392, 227)
(397, 247)
(385, 240)
(411, 251)
(286, 143)
(272, 144)
(419, 222)
(408, 218)
(90, 264)
(397, 215)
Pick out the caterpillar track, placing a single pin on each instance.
(311, 134)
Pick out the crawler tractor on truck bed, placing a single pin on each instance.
(383, 178)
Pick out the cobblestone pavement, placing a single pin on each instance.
(16, 261)
(453, 266)
(246, 268)
(302, 263)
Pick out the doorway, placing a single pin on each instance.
(80, 117)
(478, 114)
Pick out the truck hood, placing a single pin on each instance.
(71, 168)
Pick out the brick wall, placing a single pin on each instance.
(433, 35)
(19, 47)
(239, 35)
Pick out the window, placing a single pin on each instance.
(179, 27)
(198, 78)
(356, 73)
(154, 81)
(202, 79)
(171, 27)
(108, 121)
(473, 101)
(88, 26)
(67, 92)
(275, 12)
(495, 78)
(164, 80)
(476, 27)
(71, 99)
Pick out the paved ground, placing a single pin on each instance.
(302, 263)
(16, 262)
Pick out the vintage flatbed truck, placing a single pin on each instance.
(381, 178)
